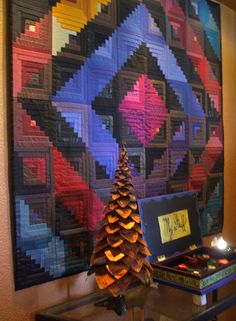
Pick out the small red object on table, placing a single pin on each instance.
(223, 261)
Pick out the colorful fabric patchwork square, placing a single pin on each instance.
(87, 76)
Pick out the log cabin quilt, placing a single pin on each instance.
(88, 76)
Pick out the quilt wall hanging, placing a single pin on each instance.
(87, 76)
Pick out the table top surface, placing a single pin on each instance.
(162, 303)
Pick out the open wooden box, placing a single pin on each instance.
(168, 273)
(172, 232)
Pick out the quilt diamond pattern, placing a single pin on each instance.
(88, 76)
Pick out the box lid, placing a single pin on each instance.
(170, 223)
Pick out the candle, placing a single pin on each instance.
(221, 244)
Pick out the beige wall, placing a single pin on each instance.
(229, 100)
(21, 305)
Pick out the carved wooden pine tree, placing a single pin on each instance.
(120, 252)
